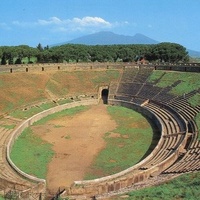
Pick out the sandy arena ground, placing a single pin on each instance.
(76, 141)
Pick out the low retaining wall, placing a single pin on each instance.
(110, 183)
(30, 121)
(187, 67)
(103, 185)
(59, 66)
(131, 175)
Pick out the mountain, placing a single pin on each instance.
(194, 54)
(109, 38)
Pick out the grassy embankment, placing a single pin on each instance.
(24, 114)
(21, 90)
(197, 119)
(189, 82)
(185, 187)
(54, 83)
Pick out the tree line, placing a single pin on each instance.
(162, 52)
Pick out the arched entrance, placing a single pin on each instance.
(104, 95)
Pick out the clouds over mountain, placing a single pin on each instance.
(75, 24)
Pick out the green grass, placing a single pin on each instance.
(67, 137)
(64, 83)
(54, 87)
(1, 198)
(31, 154)
(185, 187)
(67, 112)
(156, 75)
(197, 119)
(7, 126)
(195, 100)
(105, 76)
(24, 114)
(58, 126)
(134, 140)
(189, 80)
(48, 105)
(64, 101)
(1, 84)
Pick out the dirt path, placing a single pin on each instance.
(76, 141)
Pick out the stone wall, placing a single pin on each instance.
(128, 177)
(96, 66)
(27, 123)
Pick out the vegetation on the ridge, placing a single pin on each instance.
(163, 52)
(126, 145)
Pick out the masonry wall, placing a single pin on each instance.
(96, 66)
(40, 183)
(128, 177)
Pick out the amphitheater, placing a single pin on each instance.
(178, 149)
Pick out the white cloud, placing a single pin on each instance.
(79, 22)
(91, 21)
(52, 20)
(4, 26)
(24, 24)
(87, 23)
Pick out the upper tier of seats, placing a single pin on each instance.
(137, 87)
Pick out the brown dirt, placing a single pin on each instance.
(76, 141)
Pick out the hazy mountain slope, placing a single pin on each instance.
(109, 38)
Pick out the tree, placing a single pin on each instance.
(170, 52)
(39, 47)
(126, 54)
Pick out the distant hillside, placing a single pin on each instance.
(109, 38)
(194, 54)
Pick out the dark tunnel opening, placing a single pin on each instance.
(104, 96)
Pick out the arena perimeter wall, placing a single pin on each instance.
(195, 67)
(16, 133)
(126, 178)
(106, 184)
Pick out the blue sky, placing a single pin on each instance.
(53, 21)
